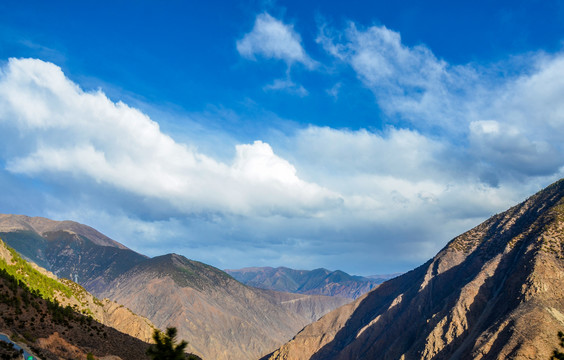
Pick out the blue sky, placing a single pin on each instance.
(359, 135)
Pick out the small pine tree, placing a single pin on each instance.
(557, 355)
(165, 347)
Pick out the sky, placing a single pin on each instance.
(360, 136)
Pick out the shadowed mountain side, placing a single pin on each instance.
(68, 293)
(312, 282)
(494, 292)
(58, 319)
(58, 334)
(219, 317)
(68, 249)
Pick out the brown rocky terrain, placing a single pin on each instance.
(219, 317)
(494, 292)
(311, 282)
(53, 332)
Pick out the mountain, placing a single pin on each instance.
(58, 319)
(68, 249)
(219, 317)
(312, 282)
(494, 292)
(69, 293)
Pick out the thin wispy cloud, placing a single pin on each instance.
(287, 85)
(507, 126)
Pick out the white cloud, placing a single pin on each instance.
(475, 144)
(334, 190)
(52, 127)
(288, 86)
(503, 127)
(272, 39)
(409, 81)
(380, 58)
(334, 91)
(390, 174)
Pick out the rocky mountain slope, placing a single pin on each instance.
(67, 293)
(30, 312)
(219, 317)
(312, 282)
(494, 292)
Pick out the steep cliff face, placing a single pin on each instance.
(494, 292)
(219, 317)
(312, 282)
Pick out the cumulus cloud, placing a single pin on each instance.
(272, 39)
(51, 126)
(352, 189)
(396, 172)
(504, 144)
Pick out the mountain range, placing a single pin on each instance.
(494, 292)
(220, 317)
(312, 282)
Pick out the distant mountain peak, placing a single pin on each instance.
(312, 282)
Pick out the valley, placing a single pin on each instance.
(493, 292)
(219, 317)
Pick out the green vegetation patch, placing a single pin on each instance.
(35, 280)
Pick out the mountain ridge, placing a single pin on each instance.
(10, 222)
(220, 317)
(493, 292)
(79, 253)
(67, 293)
(313, 282)
(211, 307)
